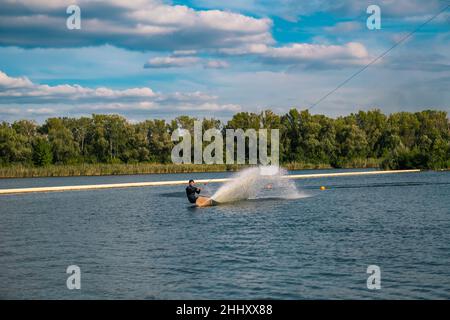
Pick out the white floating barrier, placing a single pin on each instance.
(181, 182)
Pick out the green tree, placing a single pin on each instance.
(244, 121)
(64, 147)
(159, 140)
(400, 140)
(42, 152)
(352, 142)
(373, 123)
(14, 147)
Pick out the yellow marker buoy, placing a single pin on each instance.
(322, 188)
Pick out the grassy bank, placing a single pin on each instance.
(23, 171)
(354, 164)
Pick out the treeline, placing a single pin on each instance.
(399, 140)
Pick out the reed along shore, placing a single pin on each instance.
(104, 169)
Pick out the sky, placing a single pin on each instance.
(148, 59)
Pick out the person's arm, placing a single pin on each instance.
(198, 190)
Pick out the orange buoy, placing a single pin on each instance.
(322, 188)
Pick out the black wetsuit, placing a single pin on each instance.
(190, 192)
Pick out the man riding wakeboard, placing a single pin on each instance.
(191, 191)
(199, 201)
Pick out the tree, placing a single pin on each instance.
(42, 152)
(80, 129)
(373, 123)
(244, 121)
(400, 140)
(352, 142)
(290, 136)
(64, 147)
(159, 140)
(14, 147)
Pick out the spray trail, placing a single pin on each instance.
(258, 183)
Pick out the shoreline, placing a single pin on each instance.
(99, 170)
(87, 170)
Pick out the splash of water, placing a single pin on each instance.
(258, 183)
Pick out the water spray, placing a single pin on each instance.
(257, 183)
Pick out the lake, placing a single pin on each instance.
(150, 243)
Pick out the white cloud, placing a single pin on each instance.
(11, 83)
(245, 49)
(182, 16)
(135, 25)
(183, 97)
(168, 62)
(348, 26)
(352, 53)
(41, 111)
(20, 97)
(216, 64)
(23, 88)
(181, 61)
(293, 10)
(184, 53)
(211, 107)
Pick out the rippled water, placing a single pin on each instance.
(150, 243)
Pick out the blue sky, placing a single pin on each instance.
(160, 59)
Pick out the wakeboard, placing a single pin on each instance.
(205, 202)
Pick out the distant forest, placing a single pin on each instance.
(395, 141)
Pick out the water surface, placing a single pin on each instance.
(150, 243)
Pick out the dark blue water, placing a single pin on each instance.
(149, 243)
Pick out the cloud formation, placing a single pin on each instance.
(178, 60)
(346, 26)
(135, 25)
(21, 89)
(293, 10)
(352, 53)
(151, 25)
(265, 61)
(19, 96)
